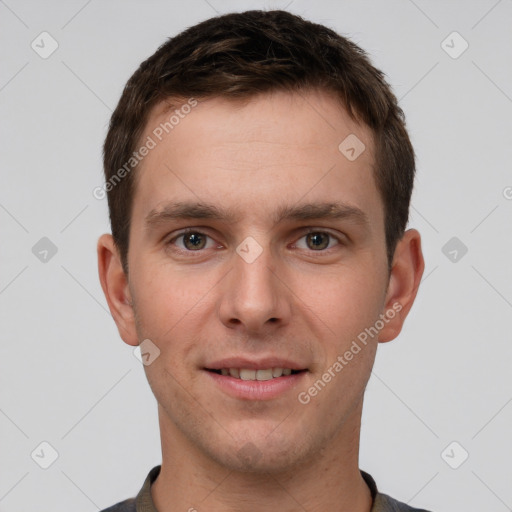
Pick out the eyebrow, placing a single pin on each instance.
(308, 211)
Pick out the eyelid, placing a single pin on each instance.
(340, 239)
(187, 231)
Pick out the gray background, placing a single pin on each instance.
(66, 377)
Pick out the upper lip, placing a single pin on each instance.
(253, 364)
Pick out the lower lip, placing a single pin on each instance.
(256, 389)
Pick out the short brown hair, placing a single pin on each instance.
(239, 55)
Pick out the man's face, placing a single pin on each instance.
(267, 276)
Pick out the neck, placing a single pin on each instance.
(191, 481)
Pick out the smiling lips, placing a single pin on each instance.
(264, 369)
(250, 374)
(261, 380)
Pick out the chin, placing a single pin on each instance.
(259, 464)
(260, 456)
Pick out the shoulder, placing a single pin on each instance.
(123, 506)
(384, 503)
(143, 498)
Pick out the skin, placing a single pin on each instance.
(294, 301)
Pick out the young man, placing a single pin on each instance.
(259, 175)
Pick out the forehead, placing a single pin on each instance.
(313, 117)
(258, 155)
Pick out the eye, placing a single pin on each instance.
(192, 241)
(317, 241)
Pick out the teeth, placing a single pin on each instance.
(264, 374)
(247, 374)
(277, 372)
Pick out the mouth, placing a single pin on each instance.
(262, 380)
(249, 374)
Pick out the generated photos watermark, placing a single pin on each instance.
(334, 369)
(151, 142)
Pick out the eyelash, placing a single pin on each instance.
(199, 251)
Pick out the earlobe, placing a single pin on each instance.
(406, 272)
(114, 283)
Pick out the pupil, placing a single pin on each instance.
(194, 241)
(318, 240)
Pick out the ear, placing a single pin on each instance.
(115, 287)
(404, 281)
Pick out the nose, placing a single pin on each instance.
(254, 297)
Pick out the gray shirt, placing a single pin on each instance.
(143, 502)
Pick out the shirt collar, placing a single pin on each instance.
(144, 501)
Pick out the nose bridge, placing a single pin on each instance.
(253, 296)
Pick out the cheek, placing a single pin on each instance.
(167, 300)
(346, 302)
(172, 325)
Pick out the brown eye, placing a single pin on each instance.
(191, 244)
(317, 241)
(194, 241)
